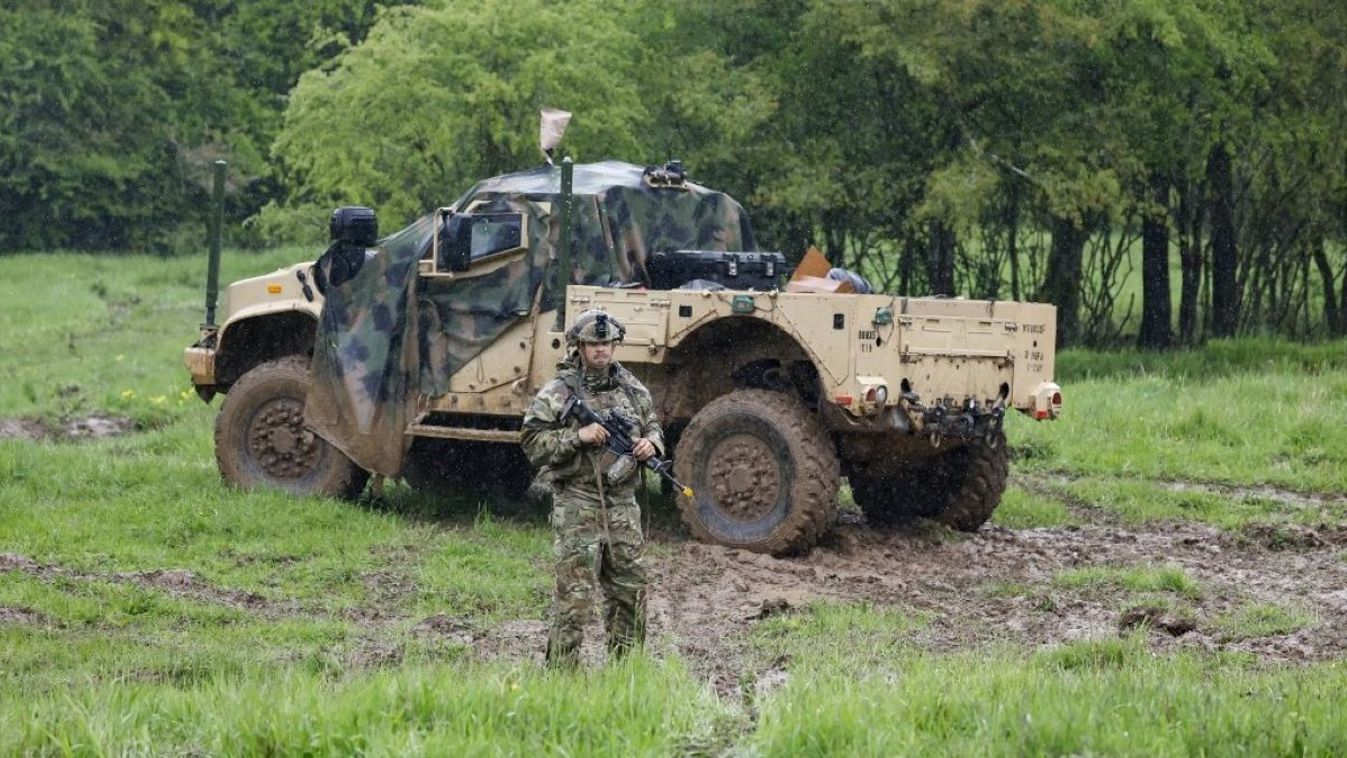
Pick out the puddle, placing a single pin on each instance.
(76, 429)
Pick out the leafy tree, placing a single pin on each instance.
(935, 145)
(254, 53)
(84, 160)
(1292, 171)
(1173, 71)
(825, 146)
(1016, 110)
(111, 113)
(436, 98)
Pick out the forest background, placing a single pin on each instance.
(1053, 150)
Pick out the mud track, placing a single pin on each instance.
(992, 587)
(995, 586)
(178, 583)
(95, 426)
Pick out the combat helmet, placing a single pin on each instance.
(595, 326)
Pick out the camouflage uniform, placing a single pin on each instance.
(596, 521)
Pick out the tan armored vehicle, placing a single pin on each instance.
(421, 359)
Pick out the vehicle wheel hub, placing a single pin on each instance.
(745, 477)
(279, 442)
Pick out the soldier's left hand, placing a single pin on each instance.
(643, 449)
(593, 434)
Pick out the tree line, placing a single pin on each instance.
(987, 148)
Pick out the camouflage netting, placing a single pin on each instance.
(370, 368)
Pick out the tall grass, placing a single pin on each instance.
(1278, 426)
(1100, 697)
(638, 708)
(1217, 358)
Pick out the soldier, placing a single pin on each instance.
(595, 518)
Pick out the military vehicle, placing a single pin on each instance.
(422, 355)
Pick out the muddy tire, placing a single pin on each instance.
(261, 441)
(960, 488)
(764, 472)
(977, 480)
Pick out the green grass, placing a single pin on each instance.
(82, 602)
(841, 630)
(106, 332)
(1252, 620)
(1006, 589)
(1101, 697)
(1216, 359)
(641, 708)
(1138, 579)
(1137, 502)
(300, 628)
(1248, 427)
(127, 505)
(1020, 509)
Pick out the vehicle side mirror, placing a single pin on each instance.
(456, 243)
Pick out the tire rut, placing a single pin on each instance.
(180, 583)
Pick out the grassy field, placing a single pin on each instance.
(144, 608)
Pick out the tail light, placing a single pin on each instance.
(874, 394)
(1047, 401)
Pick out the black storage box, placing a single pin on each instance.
(736, 271)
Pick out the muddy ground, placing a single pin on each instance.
(995, 586)
(992, 587)
(71, 429)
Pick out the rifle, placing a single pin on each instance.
(619, 438)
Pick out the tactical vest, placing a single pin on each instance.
(622, 397)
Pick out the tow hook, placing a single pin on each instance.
(968, 422)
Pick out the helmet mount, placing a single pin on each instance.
(595, 326)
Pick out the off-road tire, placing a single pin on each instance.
(960, 488)
(261, 441)
(763, 470)
(977, 480)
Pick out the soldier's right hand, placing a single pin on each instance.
(594, 434)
